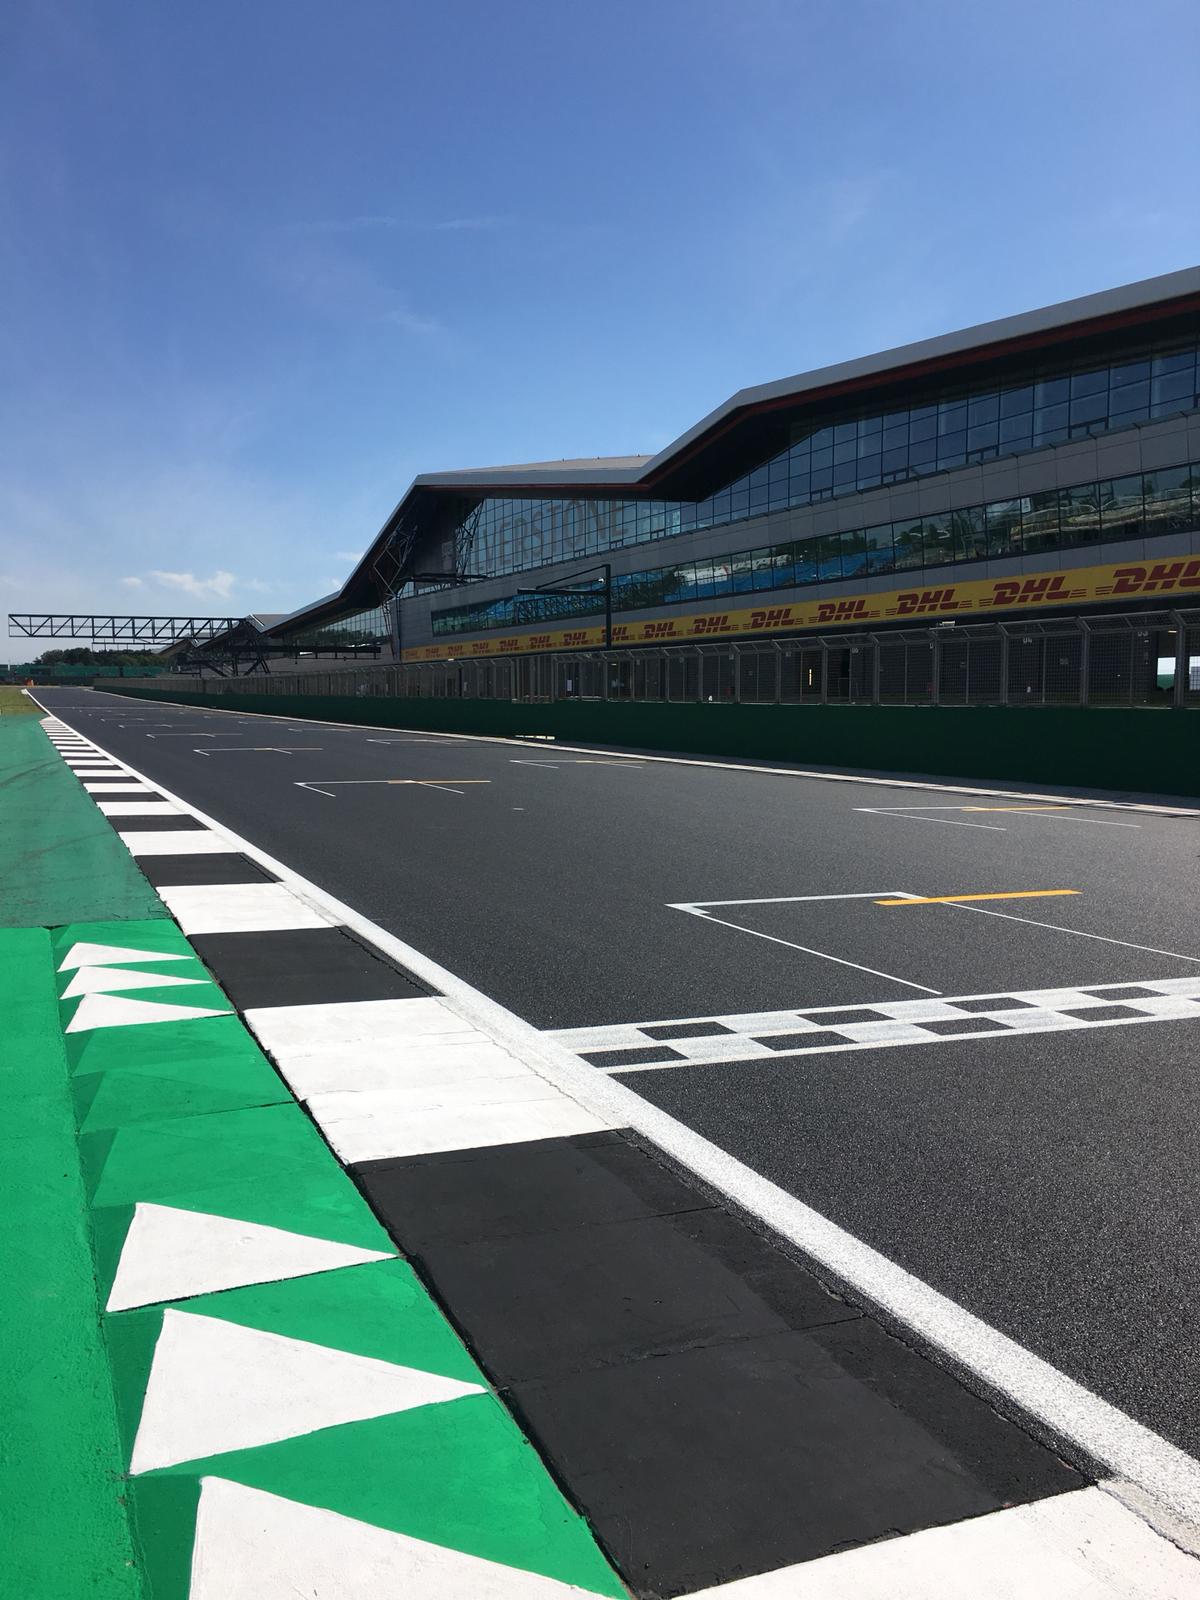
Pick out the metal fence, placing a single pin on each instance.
(1142, 659)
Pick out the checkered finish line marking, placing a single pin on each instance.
(813, 1030)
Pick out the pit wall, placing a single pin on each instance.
(1147, 751)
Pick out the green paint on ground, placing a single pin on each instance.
(174, 1088)
(164, 1514)
(156, 933)
(59, 858)
(122, 971)
(267, 1164)
(201, 997)
(272, 1144)
(379, 1309)
(197, 1000)
(311, 1205)
(218, 1041)
(459, 1474)
(191, 1114)
(63, 1529)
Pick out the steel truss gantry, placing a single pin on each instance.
(115, 629)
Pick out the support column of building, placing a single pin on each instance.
(1180, 686)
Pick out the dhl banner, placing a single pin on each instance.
(974, 598)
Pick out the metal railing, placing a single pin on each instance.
(1141, 659)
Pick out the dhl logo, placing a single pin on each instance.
(919, 601)
(1023, 592)
(977, 597)
(1163, 575)
(841, 610)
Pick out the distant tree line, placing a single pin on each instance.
(82, 657)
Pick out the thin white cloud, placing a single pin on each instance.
(218, 587)
(412, 322)
(121, 515)
(132, 583)
(347, 555)
(330, 279)
(852, 200)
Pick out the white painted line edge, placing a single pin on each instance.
(1152, 1476)
(699, 761)
(783, 899)
(808, 950)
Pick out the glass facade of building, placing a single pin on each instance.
(844, 453)
(363, 627)
(1139, 506)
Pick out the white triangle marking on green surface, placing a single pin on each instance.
(106, 955)
(114, 1011)
(215, 1386)
(252, 1545)
(113, 980)
(170, 1254)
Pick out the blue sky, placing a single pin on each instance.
(261, 263)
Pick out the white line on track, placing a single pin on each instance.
(1079, 933)
(808, 950)
(907, 816)
(1089, 822)
(393, 783)
(587, 761)
(1151, 1475)
(251, 749)
(787, 899)
(540, 743)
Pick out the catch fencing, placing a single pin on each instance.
(1141, 659)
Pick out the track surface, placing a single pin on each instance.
(1044, 1180)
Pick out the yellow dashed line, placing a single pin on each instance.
(949, 899)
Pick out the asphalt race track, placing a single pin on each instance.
(999, 1094)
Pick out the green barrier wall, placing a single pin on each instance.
(1152, 751)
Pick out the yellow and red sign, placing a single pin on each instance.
(974, 598)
